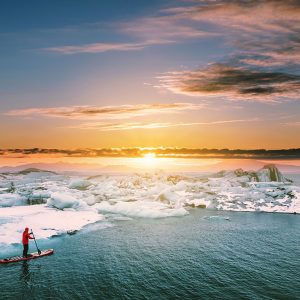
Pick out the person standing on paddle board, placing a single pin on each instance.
(25, 241)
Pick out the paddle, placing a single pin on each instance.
(39, 251)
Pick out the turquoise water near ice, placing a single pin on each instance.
(205, 255)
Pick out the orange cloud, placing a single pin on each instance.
(102, 126)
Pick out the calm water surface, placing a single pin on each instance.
(200, 256)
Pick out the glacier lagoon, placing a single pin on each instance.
(199, 247)
(54, 204)
(203, 255)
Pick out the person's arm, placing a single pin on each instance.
(30, 237)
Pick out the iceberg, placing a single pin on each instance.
(141, 209)
(8, 199)
(80, 184)
(64, 200)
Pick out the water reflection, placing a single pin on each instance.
(28, 273)
(25, 273)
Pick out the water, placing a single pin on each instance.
(205, 255)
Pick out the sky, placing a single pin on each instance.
(137, 73)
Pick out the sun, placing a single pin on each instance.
(149, 159)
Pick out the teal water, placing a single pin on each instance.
(200, 256)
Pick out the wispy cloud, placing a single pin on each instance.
(149, 31)
(233, 82)
(102, 126)
(292, 124)
(257, 19)
(105, 112)
(272, 27)
(166, 27)
(103, 47)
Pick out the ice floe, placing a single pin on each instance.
(45, 221)
(141, 209)
(65, 200)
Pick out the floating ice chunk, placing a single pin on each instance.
(80, 184)
(169, 197)
(64, 200)
(141, 209)
(295, 205)
(91, 200)
(201, 203)
(217, 218)
(270, 173)
(8, 199)
(180, 186)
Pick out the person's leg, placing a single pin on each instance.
(25, 250)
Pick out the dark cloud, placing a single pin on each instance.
(231, 81)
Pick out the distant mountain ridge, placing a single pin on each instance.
(34, 170)
(63, 167)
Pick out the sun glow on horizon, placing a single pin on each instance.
(149, 159)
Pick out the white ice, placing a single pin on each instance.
(141, 209)
(44, 221)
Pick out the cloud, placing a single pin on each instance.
(260, 61)
(272, 27)
(256, 16)
(103, 47)
(158, 30)
(95, 48)
(292, 124)
(105, 112)
(166, 28)
(256, 23)
(265, 35)
(160, 152)
(102, 126)
(233, 82)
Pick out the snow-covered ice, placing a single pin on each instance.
(45, 221)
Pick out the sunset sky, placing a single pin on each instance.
(139, 73)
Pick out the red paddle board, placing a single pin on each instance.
(30, 256)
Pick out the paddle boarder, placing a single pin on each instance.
(25, 241)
